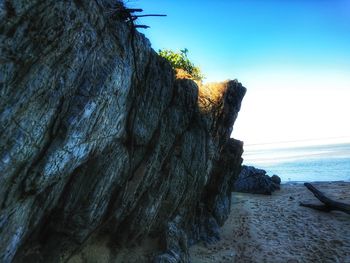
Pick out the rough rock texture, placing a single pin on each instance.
(99, 141)
(256, 181)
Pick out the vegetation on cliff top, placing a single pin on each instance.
(179, 60)
(209, 95)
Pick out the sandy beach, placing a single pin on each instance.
(276, 229)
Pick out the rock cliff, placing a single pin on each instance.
(101, 145)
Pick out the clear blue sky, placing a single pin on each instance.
(292, 55)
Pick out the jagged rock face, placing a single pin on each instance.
(99, 141)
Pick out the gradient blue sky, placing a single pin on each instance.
(293, 56)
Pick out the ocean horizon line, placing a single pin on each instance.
(298, 143)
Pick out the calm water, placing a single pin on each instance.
(308, 163)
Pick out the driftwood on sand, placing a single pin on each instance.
(328, 204)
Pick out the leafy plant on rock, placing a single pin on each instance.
(179, 60)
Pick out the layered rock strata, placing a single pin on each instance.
(100, 143)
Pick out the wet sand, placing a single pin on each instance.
(276, 229)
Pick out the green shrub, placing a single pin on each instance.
(179, 60)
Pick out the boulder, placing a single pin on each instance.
(276, 179)
(256, 181)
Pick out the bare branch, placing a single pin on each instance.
(329, 204)
(141, 26)
(137, 16)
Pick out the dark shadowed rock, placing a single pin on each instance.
(276, 179)
(101, 146)
(256, 181)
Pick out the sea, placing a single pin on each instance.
(295, 162)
